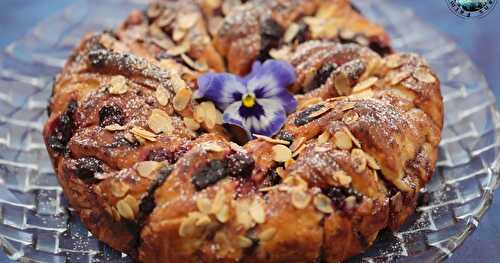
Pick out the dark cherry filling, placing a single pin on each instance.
(148, 203)
(286, 136)
(304, 34)
(87, 167)
(321, 76)
(338, 195)
(111, 115)
(237, 164)
(304, 118)
(270, 37)
(64, 129)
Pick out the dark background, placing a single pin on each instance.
(480, 38)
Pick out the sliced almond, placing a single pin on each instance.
(132, 202)
(203, 221)
(342, 140)
(350, 202)
(118, 85)
(359, 160)
(271, 140)
(188, 226)
(394, 61)
(125, 210)
(182, 98)
(319, 112)
(365, 84)
(186, 21)
(297, 143)
(177, 82)
(400, 76)
(291, 32)
(210, 116)
(306, 103)
(160, 122)
(204, 205)
(281, 53)
(257, 211)
(223, 214)
(323, 203)
(140, 133)
(244, 242)
(324, 137)
(219, 201)
(115, 127)
(119, 189)
(191, 124)
(281, 153)
(300, 198)
(298, 151)
(178, 34)
(162, 96)
(350, 117)
(372, 163)
(267, 234)
(199, 113)
(353, 139)
(243, 216)
(196, 65)
(180, 49)
(147, 169)
(424, 75)
(295, 181)
(212, 147)
(342, 178)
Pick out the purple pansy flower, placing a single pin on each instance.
(258, 102)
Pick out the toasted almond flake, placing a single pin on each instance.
(132, 202)
(257, 211)
(203, 221)
(115, 214)
(323, 203)
(400, 76)
(423, 75)
(196, 65)
(186, 21)
(118, 85)
(204, 205)
(350, 202)
(188, 226)
(347, 106)
(321, 149)
(372, 163)
(199, 113)
(269, 188)
(297, 143)
(115, 127)
(350, 117)
(320, 112)
(129, 137)
(300, 198)
(125, 210)
(147, 169)
(210, 114)
(212, 147)
(281, 153)
(291, 32)
(365, 84)
(191, 124)
(182, 98)
(359, 160)
(324, 137)
(342, 178)
(243, 216)
(365, 94)
(223, 214)
(281, 53)
(280, 171)
(354, 140)
(271, 140)
(213, 4)
(119, 189)
(394, 61)
(295, 181)
(308, 102)
(160, 122)
(140, 133)
(219, 201)
(342, 140)
(267, 234)
(299, 151)
(162, 96)
(244, 242)
(177, 82)
(178, 34)
(180, 49)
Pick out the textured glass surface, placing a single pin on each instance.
(37, 225)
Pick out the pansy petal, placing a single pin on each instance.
(270, 122)
(271, 78)
(256, 66)
(286, 100)
(232, 116)
(221, 88)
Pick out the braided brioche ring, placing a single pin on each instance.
(154, 178)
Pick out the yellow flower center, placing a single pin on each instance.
(248, 100)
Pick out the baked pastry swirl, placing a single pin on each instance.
(153, 171)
